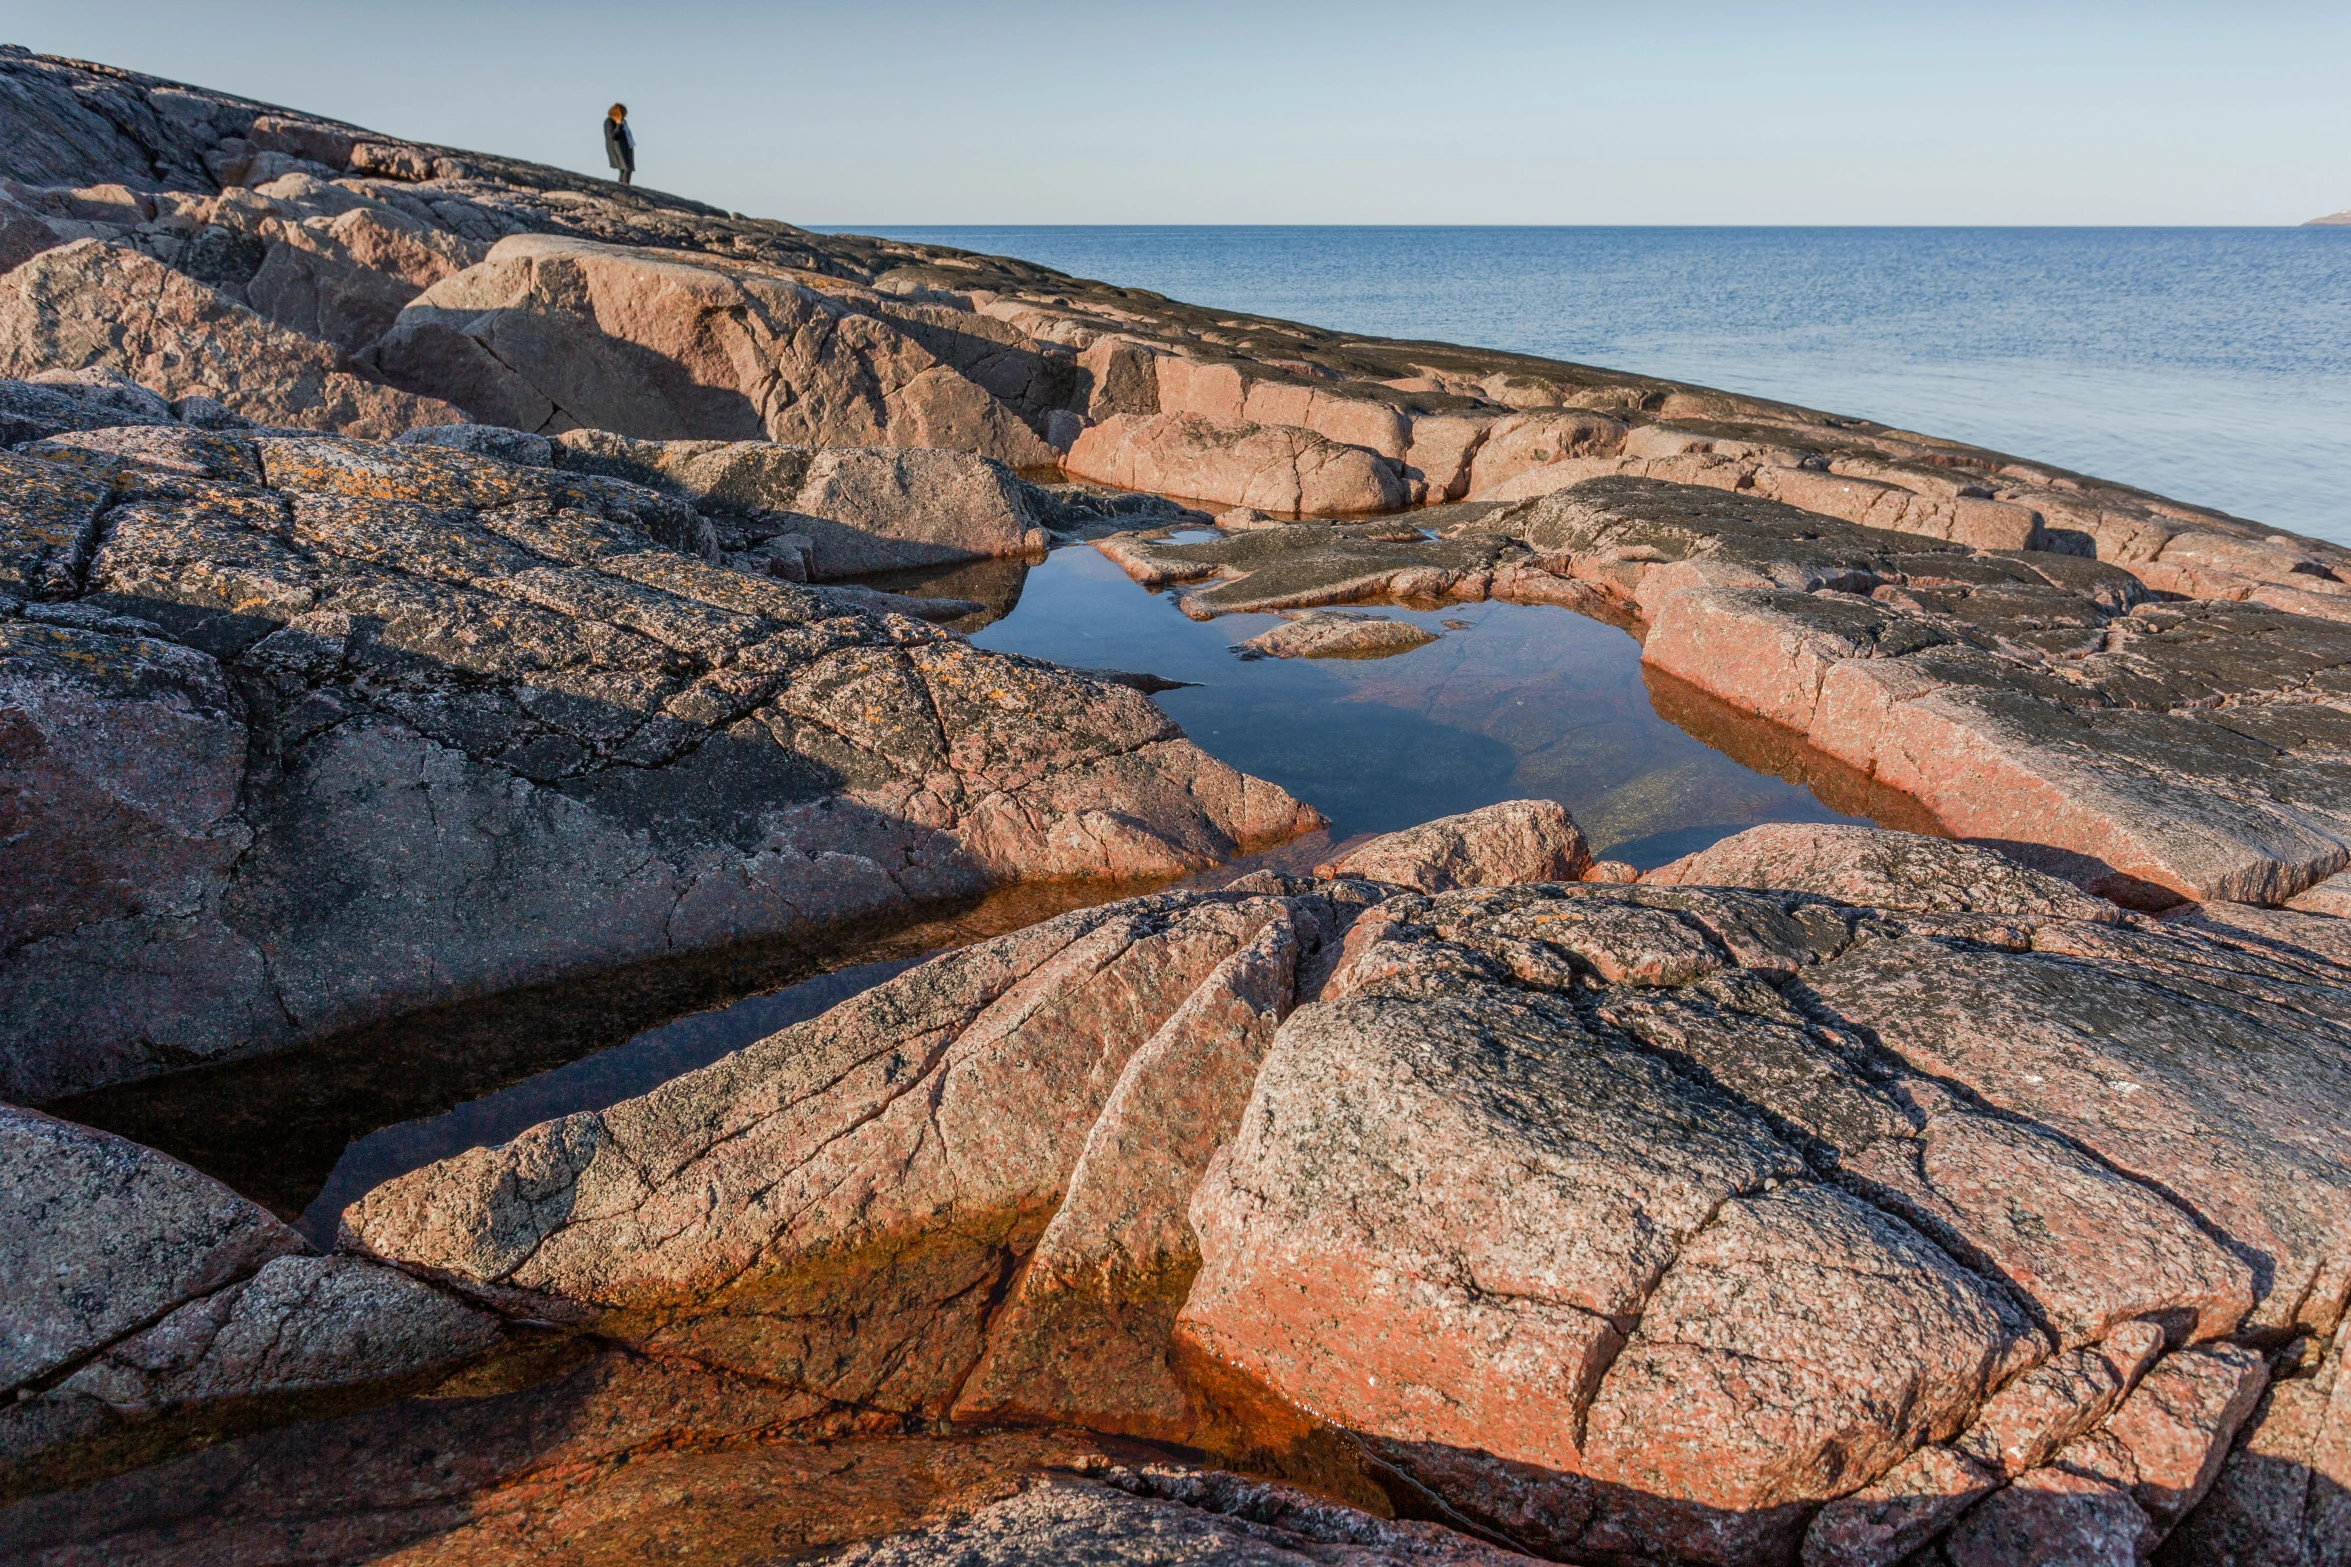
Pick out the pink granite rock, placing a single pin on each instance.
(547, 334)
(1271, 467)
(1888, 870)
(2166, 1443)
(1518, 452)
(2058, 1400)
(90, 305)
(1493, 846)
(1085, 1337)
(834, 1207)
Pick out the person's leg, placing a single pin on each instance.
(624, 175)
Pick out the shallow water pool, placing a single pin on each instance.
(1512, 701)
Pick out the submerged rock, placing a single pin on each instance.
(1336, 634)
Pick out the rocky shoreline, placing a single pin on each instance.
(420, 580)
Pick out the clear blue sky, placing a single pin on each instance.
(1058, 111)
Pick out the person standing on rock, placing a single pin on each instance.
(620, 143)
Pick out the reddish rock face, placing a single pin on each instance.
(1613, 1221)
(1271, 467)
(844, 510)
(88, 305)
(548, 334)
(886, 1155)
(2166, 1443)
(1900, 1511)
(1084, 1337)
(1519, 448)
(1495, 846)
(2159, 1099)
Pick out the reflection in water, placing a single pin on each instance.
(605, 1078)
(995, 583)
(1772, 748)
(1519, 701)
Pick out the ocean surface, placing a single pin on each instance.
(2211, 365)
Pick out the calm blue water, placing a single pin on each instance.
(2212, 365)
(1513, 701)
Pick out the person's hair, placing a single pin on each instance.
(618, 108)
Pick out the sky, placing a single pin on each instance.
(905, 112)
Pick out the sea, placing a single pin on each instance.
(2211, 365)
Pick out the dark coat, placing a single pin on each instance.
(620, 146)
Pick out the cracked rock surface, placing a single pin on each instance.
(138, 1287)
(1660, 1221)
(304, 730)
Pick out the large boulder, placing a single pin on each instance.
(837, 511)
(1495, 846)
(88, 305)
(548, 334)
(337, 267)
(303, 731)
(1275, 468)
